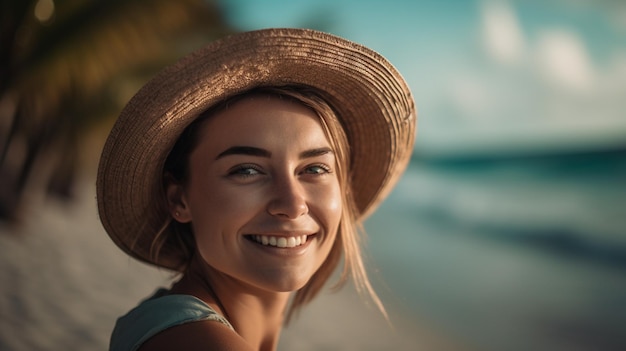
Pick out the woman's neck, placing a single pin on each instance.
(256, 315)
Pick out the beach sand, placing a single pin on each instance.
(64, 283)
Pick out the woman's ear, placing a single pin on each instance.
(176, 201)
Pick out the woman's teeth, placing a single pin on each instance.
(280, 241)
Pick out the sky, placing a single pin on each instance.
(488, 76)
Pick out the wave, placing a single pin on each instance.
(573, 202)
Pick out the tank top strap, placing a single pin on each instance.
(156, 314)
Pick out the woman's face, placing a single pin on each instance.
(263, 195)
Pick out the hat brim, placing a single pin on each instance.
(371, 98)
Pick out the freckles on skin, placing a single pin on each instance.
(280, 185)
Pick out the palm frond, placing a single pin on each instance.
(65, 76)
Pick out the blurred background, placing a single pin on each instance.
(506, 233)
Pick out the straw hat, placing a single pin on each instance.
(372, 100)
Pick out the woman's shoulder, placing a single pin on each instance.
(202, 335)
(160, 313)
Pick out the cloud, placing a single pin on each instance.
(502, 34)
(564, 60)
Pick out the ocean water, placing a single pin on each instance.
(575, 197)
(510, 253)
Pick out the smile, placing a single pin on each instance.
(280, 241)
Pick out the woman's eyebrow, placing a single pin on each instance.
(255, 151)
(316, 152)
(244, 150)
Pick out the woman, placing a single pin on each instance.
(248, 167)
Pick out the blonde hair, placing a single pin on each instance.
(178, 237)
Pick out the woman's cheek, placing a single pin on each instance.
(330, 202)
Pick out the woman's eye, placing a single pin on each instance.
(244, 171)
(317, 169)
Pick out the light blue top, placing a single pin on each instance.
(157, 313)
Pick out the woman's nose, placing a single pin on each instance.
(288, 199)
